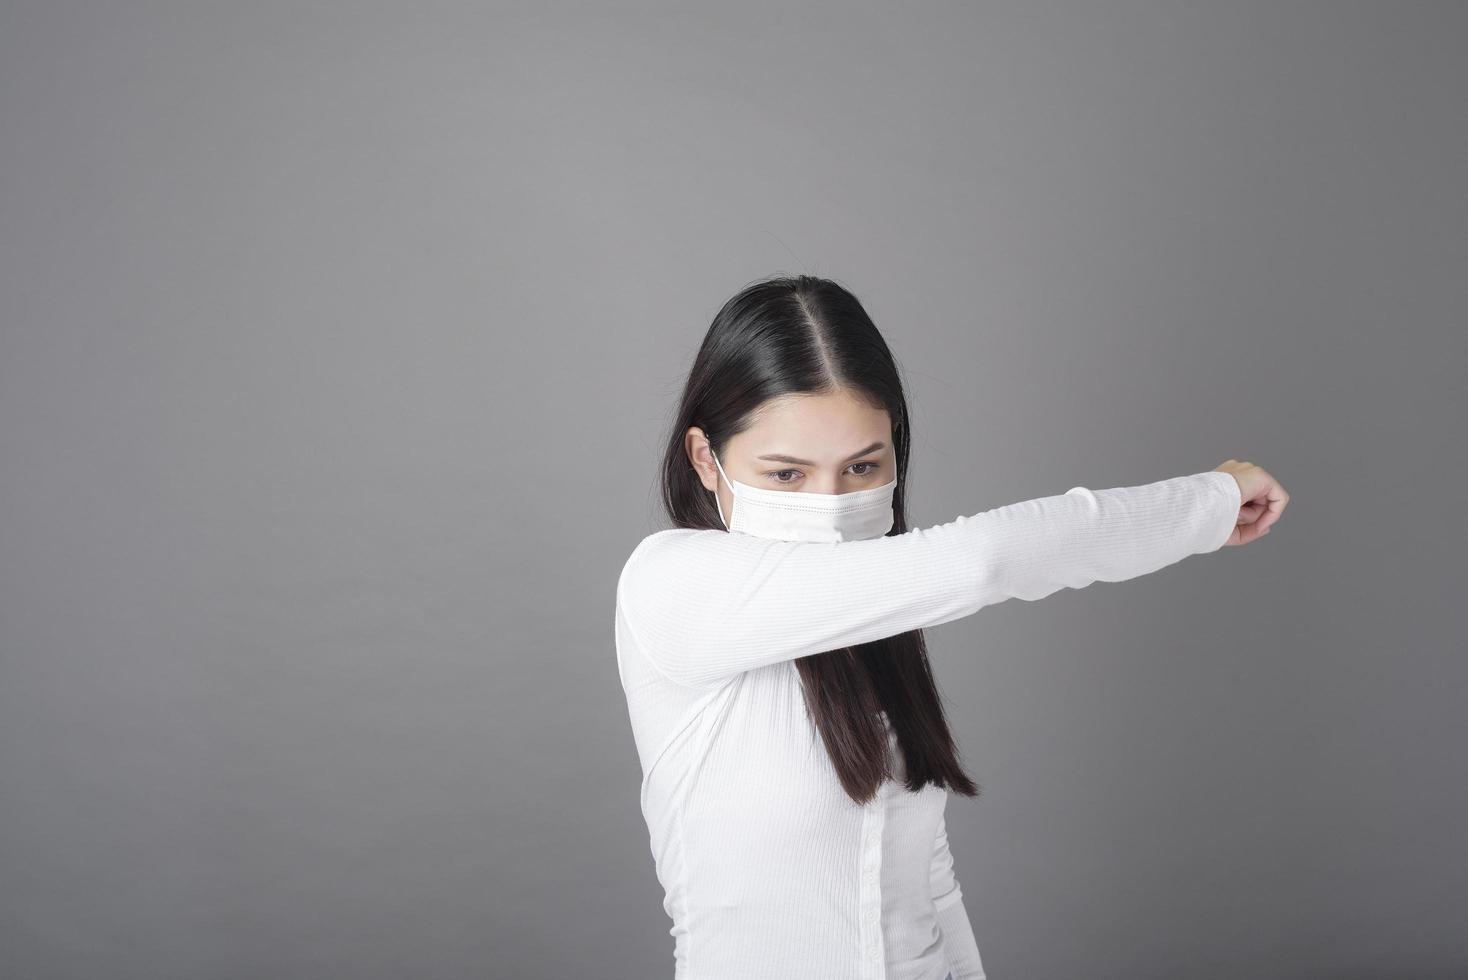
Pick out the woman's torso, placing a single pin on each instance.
(769, 868)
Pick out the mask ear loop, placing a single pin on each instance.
(718, 505)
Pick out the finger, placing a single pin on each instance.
(1276, 498)
(1249, 533)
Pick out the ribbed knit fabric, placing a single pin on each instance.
(769, 869)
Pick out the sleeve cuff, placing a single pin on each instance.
(959, 944)
(1230, 500)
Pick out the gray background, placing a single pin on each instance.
(339, 344)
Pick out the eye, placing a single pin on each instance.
(779, 473)
(868, 472)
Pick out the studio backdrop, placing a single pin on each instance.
(339, 341)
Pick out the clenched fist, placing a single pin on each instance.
(1262, 500)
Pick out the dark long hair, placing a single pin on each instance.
(799, 335)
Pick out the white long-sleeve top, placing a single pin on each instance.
(770, 870)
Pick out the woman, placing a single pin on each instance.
(795, 755)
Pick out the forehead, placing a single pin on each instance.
(829, 425)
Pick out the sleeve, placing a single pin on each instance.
(959, 944)
(708, 604)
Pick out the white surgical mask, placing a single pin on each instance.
(796, 515)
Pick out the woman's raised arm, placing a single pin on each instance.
(707, 604)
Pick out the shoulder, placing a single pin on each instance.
(654, 587)
(678, 569)
(659, 553)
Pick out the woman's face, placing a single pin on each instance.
(827, 443)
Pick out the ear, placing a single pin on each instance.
(701, 458)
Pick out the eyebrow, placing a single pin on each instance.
(781, 458)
